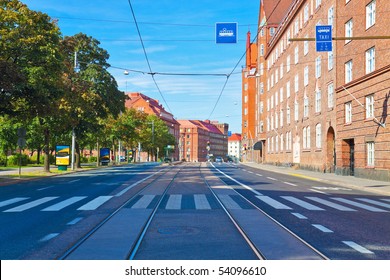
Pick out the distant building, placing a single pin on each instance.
(234, 146)
(200, 140)
(152, 106)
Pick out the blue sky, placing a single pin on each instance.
(179, 37)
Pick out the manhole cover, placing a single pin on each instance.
(177, 230)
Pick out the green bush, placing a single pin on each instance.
(13, 160)
(3, 159)
(92, 159)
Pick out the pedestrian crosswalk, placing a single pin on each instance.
(200, 202)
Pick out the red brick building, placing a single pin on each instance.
(200, 140)
(363, 75)
(152, 106)
(324, 111)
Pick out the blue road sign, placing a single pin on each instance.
(324, 38)
(226, 33)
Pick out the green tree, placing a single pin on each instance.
(30, 51)
(92, 92)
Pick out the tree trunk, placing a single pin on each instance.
(46, 133)
(77, 151)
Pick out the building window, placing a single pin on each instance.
(296, 83)
(370, 106)
(370, 154)
(306, 46)
(318, 3)
(318, 136)
(305, 107)
(306, 137)
(288, 63)
(348, 112)
(318, 101)
(370, 14)
(288, 115)
(281, 70)
(330, 61)
(330, 95)
(262, 49)
(281, 94)
(370, 60)
(348, 30)
(296, 55)
(348, 71)
(281, 118)
(296, 111)
(330, 16)
(318, 67)
(306, 76)
(288, 89)
(306, 13)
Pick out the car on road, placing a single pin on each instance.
(218, 159)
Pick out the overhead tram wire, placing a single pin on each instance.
(235, 67)
(146, 57)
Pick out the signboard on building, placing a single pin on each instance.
(226, 32)
(324, 38)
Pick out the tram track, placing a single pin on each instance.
(186, 224)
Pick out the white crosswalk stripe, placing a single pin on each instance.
(61, 205)
(330, 204)
(201, 202)
(143, 202)
(94, 204)
(302, 203)
(174, 202)
(31, 204)
(359, 205)
(378, 203)
(229, 202)
(12, 201)
(272, 202)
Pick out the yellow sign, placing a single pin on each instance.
(62, 155)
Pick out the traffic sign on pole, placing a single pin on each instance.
(226, 33)
(324, 38)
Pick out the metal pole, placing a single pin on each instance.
(73, 147)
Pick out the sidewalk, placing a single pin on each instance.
(378, 187)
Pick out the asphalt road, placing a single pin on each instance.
(341, 222)
(42, 219)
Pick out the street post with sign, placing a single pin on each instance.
(324, 38)
(226, 32)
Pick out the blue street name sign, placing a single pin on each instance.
(226, 33)
(324, 38)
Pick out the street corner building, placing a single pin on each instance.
(319, 110)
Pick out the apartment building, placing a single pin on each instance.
(298, 100)
(363, 91)
(234, 147)
(152, 106)
(201, 140)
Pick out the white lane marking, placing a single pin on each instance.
(317, 191)
(330, 204)
(12, 201)
(273, 179)
(272, 202)
(122, 192)
(201, 202)
(291, 184)
(229, 202)
(299, 216)
(94, 204)
(259, 175)
(241, 184)
(46, 188)
(31, 204)
(74, 181)
(302, 203)
(63, 204)
(143, 202)
(322, 228)
(251, 172)
(48, 237)
(357, 247)
(174, 202)
(74, 221)
(378, 203)
(360, 205)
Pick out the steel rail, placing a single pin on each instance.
(69, 251)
